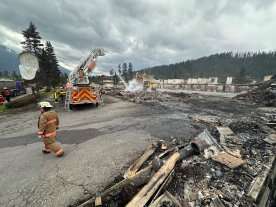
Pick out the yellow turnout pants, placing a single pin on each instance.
(50, 144)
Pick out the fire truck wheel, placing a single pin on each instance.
(71, 107)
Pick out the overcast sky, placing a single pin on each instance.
(144, 32)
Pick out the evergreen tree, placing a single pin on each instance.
(111, 72)
(124, 72)
(115, 79)
(44, 69)
(33, 44)
(130, 71)
(255, 65)
(6, 74)
(54, 74)
(49, 73)
(119, 69)
(63, 78)
(14, 75)
(241, 77)
(32, 41)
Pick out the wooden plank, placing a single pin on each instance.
(166, 197)
(144, 195)
(137, 180)
(172, 198)
(165, 153)
(271, 139)
(165, 183)
(98, 201)
(258, 184)
(216, 202)
(133, 169)
(226, 134)
(228, 160)
(140, 178)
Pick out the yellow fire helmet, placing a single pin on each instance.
(45, 104)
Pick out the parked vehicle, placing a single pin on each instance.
(273, 88)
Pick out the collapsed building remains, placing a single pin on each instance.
(224, 166)
(264, 93)
(231, 163)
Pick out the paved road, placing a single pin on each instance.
(99, 144)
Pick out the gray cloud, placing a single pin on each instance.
(145, 32)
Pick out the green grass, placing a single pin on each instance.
(2, 108)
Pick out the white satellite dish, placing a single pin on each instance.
(28, 65)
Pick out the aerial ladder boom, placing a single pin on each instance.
(87, 65)
(79, 90)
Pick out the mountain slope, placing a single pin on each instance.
(250, 65)
(9, 61)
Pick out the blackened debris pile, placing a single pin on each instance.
(262, 94)
(144, 96)
(234, 169)
(198, 182)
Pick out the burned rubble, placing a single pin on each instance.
(261, 94)
(207, 179)
(223, 166)
(144, 96)
(235, 168)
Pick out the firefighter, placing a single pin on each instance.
(7, 94)
(2, 100)
(48, 123)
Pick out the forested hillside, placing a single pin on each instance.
(8, 59)
(242, 66)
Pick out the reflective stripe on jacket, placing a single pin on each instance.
(51, 134)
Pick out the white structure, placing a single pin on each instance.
(229, 80)
(267, 77)
(29, 90)
(192, 81)
(211, 80)
(176, 81)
